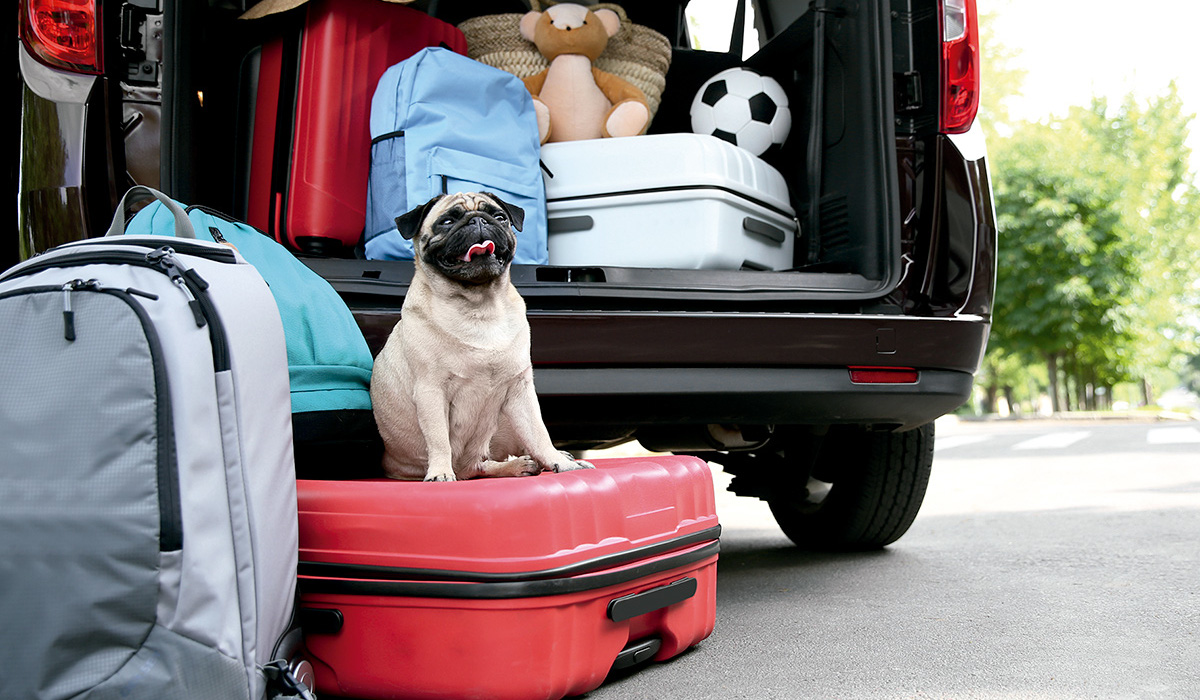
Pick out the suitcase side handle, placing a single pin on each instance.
(630, 606)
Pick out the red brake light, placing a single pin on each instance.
(960, 65)
(883, 375)
(63, 33)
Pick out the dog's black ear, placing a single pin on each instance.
(409, 223)
(515, 214)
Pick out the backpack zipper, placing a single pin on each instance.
(189, 282)
(170, 509)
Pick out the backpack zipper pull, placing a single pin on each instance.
(140, 293)
(165, 258)
(193, 304)
(68, 312)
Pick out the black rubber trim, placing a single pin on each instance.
(388, 135)
(676, 188)
(631, 606)
(508, 590)
(611, 561)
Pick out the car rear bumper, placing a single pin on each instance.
(607, 373)
(601, 339)
(634, 397)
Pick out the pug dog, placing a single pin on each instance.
(452, 388)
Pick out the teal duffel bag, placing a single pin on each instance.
(329, 363)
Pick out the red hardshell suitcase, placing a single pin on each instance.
(308, 174)
(530, 587)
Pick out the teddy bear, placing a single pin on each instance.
(573, 99)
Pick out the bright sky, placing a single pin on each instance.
(1074, 49)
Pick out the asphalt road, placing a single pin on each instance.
(1050, 560)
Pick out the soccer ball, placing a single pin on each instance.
(743, 107)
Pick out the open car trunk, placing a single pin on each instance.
(834, 61)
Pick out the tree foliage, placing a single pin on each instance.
(1099, 219)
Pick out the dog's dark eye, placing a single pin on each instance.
(499, 216)
(447, 221)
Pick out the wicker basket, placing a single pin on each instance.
(637, 54)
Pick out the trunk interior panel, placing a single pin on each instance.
(839, 161)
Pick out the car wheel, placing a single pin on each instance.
(863, 491)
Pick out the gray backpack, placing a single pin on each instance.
(148, 533)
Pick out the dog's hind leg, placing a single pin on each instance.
(524, 431)
(513, 466)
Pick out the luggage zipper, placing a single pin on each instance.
(94, 285)
(170, 509)
(216, 232)
(189, 282)
(181, 245)
(165, 258)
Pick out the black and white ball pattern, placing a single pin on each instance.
(744, 108)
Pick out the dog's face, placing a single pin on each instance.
(465, 237)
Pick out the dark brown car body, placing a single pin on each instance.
(897, 268)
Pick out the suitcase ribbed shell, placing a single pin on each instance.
(525, 587)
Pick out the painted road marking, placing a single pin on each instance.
(1053, 441)
(951, 441)
(1172, 436)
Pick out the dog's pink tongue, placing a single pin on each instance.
(486, 248)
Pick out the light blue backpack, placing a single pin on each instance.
(443, 123)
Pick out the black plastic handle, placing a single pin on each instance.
(630, 606)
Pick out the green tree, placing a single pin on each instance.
(1099, 225)
(1065, 268)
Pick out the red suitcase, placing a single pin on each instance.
(308, 174)
(505, 588)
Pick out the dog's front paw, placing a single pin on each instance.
(513, 466)
(523, 466)
(529, 467)
(570, 464)
(440, 476)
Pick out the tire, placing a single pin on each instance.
(864, 489)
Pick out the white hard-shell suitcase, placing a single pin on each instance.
(681, 201)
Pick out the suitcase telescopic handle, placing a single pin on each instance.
(183, 225)
(630, 606)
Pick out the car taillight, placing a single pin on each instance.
(960, 65)
(63, 33)
(883, 375)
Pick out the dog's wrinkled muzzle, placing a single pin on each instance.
(476, 249)
(479, 233)
(485, 248)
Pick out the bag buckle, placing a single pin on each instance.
(282, 681)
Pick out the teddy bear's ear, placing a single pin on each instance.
(529, 24)
(610, 20)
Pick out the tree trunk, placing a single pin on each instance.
(1052, 371)
(1147, 392)
(989, 397)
